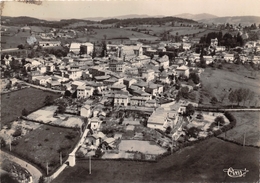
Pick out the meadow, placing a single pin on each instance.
(44, 144)
(202, 162)
(218, 82)
(248, 125)
(13, 103)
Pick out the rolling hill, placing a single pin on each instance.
(196, 16)
(244, 20)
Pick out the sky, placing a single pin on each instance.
(84, 9)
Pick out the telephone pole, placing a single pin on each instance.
(244, 141)
(89, 164)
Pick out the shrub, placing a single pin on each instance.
(219, 120)
(18, 132)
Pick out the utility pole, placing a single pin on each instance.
(60, 158)
(244, 141)
(10, 145)
(47, 168)
(89, 164)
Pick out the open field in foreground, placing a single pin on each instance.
(13, 103)
(203, 162)
(248, 123)
(44, 144)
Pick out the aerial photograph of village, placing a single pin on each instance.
(130, 91)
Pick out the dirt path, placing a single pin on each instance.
(36, 174)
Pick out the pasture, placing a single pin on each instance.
(116, 33)
(218, 82)
(13, 103)
(202, 162)
(248, 125)
(44, 144)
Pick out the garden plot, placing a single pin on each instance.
(45, 114)
(141, 146)
(26, 126)
(68, 121)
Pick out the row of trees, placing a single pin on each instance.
(227, 40)
(241, 95)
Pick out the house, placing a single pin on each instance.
(138, 100)
(85, 111)
(183, 70)
(33, 74)
(129, 81)
(229, 57)
(41, 80)
(74, 74)
(76, 84)
(87, 47)
(164, 77)
(146, 74)
(214, 42)
(84, 91)
(46, 44)
(121, 99)
(53, 84)
(154, 89)
(161, 119)
(116, 65)
(95, 123)
(163, 62)
(208, 59)
(150, 103)
(118, 87)
(127, 53)
(220, 48)
(186, 46)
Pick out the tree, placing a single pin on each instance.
(61, 109)
(3, 142)
(8, 86)
(219, 121)
(193, 132)
(23, 61)
(213, 100)
(18, 132)
(67, 93)
(239, 95)
(195, 77)
(24, 112)
(20, 46)
(184, 92)
(190, 110)
(41, 179)
(48, 100)
(232, 97)
(104, 50)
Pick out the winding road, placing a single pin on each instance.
(36, 174)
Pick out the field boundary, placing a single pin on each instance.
(237, 143)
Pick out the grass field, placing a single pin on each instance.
(203, 162)
(43, 145)
(112, 33)
(13, 103)
(248, 123)
(218, 82)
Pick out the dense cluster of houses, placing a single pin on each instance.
(129, 75)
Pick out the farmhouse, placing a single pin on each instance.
(46, 44)
(183, 70)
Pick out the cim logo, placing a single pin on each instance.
(236, 173)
